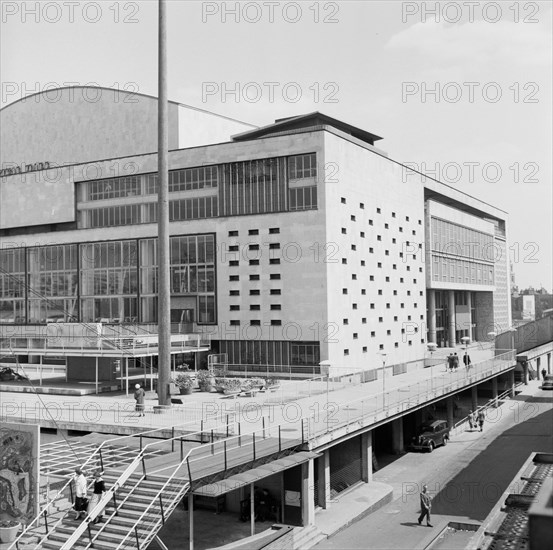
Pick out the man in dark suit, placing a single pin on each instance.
(426, 505)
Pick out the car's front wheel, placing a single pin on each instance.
(431, 447)
(445, 440)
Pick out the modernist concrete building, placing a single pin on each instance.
(291, 244)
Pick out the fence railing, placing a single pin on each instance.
(94, 461)
(371, 409)
(492, 403)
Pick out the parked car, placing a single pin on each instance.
(430, 436)
(548, 382)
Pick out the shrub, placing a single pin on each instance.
(184, 381)
(231, 385)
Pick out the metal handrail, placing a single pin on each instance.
(489, 404)
(44, 511)
(399, 405)
(108, 495)
(176, 469)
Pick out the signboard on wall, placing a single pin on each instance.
(19, 471)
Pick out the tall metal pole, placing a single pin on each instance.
(164, 313)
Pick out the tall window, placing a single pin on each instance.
(302, 166)
(53, 281)
(253, 187)
(12, 285)
(108, 281)
(192, 274)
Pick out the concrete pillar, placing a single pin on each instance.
(474, 397)
(494, 392)
(367, 457)
(450, 411)
(512, 382)
(308, 493)
(548, 363)
(323, 488)
(432, 316)
(451, 312)
(524, 365)
(469, 305)
(190, 521)
(397, 436)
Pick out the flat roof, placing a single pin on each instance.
(237, 481)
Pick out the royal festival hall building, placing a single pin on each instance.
(292, 244)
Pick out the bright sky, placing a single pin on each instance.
(488, 131)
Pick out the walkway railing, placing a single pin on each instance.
(94, 461)
(121, 414)
(374, 408)
(492, 403)
(210, 458)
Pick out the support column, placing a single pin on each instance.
(397, 436)
(252, 509)
(524, 372)
(494, 392)
(190, 521)
(474, 397)
(451, 312)
(432, 316)
(548, 363)
(323, 488)
(307, 493)
(367, 457)
(450, 412)
(469, 305)
(512, 382)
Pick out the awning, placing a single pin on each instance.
(255, 474)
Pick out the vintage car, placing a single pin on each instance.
(430, 436)
(548, 382)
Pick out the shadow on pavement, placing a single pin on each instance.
(474, 491)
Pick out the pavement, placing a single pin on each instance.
(465, 479)
(114, 413)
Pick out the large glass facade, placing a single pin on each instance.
(192, 274)
(232, 189)
(253, 187)
(270, 352)
(109, 282)
(52, 279)
(461, 255)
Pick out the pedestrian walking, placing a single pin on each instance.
(543, 373)
(472, 420)
(139, 395)
(455, 362)
(450, 362)
(467, 361)
(481, 419)
(426, 505)
(81, 501)
(97, 493)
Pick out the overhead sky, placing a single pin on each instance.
(462, 91)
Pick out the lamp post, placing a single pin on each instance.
(383, 357)
(431, 348)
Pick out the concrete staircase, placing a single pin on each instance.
(133, 499)
(307, 537)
